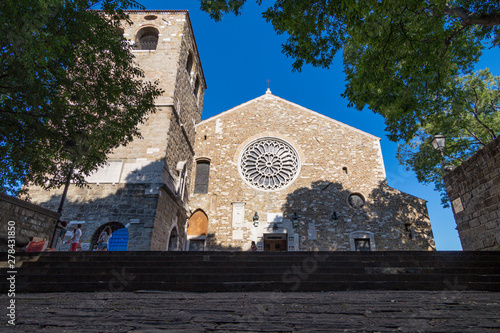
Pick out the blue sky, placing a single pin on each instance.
(239, 54)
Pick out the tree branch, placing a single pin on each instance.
(475, 113)
(36, 115)
(475, 137)
(467, 17)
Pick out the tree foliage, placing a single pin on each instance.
(69, 89)
(469, 123)
(401, 57)
(410, 61)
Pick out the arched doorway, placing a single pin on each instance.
(173, 240)
(197, 231)
(114, 227)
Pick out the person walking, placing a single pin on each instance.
(103, 240)
(75, 240)
(62, 232)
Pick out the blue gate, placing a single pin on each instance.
(119, 240)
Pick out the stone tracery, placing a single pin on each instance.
(269, 163)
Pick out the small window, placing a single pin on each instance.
(196, 88)
(189, 63)
(150, 17)
(356, 200)
(173, 240)
(344, 169)
(202, 177)
(147, 39)
(362, 244)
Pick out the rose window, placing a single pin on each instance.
(269, 164)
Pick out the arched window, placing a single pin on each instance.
(189, 64)
(202, 176)
(196, 89)
(147, 39)
(173, 240)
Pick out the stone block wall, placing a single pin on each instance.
(474, 192)
(30, 220)
(97, 204)
(336, 161)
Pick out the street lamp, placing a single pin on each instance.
(439, 142)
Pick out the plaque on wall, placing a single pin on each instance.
(238, 213)
(457, 205)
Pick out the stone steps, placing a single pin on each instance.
(262, 271)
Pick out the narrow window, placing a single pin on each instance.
(196, 88)
(189, 64)
(345, 170)
(202, 177)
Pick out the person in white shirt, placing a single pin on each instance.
(77, 234)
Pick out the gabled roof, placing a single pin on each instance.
(269, 95)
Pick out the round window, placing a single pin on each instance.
(269, 164)
(356, 200)
(150, 17)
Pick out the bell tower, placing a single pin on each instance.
(143, 186)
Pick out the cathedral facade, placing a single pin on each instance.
(267, 171)
(290, 179)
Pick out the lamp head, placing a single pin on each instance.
(439, 142)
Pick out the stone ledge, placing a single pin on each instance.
(29, 205)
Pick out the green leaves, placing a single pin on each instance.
(470, 121)
(69, 90)
(407, 60)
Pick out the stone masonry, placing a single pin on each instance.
(313, 211)
(474, 191)
(29, 220)
(325, 181)
(143, 187)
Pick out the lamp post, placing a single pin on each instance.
(439, 142)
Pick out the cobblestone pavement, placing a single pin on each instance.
(353, 311)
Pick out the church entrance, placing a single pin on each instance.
(275, 242)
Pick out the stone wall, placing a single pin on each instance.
(474, 191)
(336, 161)
(30, 220)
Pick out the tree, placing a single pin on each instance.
(407, 60)
(471, 121)
(401, 57)
(69, 90)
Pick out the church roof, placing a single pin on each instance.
(269, 95)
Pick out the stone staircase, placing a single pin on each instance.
(253, 271)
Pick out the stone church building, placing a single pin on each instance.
(268, 171)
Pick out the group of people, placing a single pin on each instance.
(75, 240)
